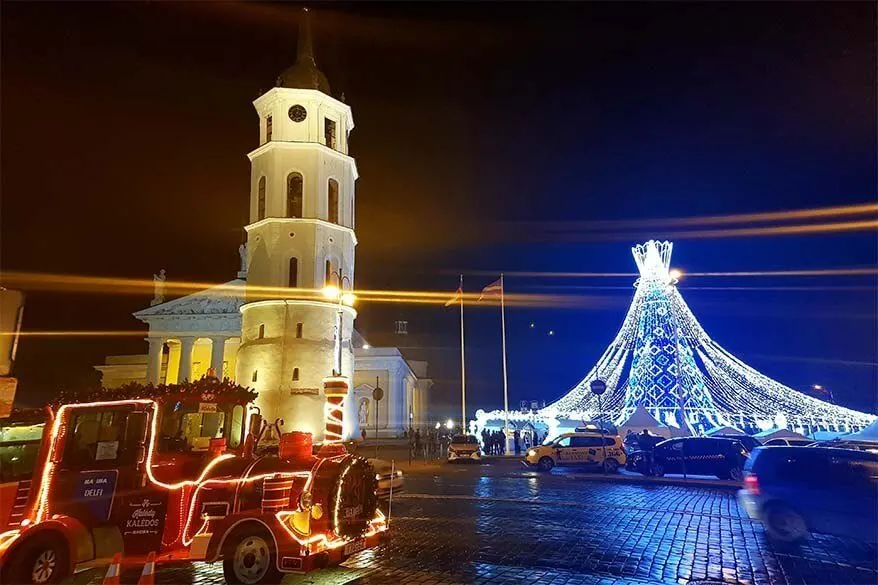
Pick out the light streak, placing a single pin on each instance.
(851, 271)
(112, 286)
(789, 230)
(733, 232)
(80, 333)
(795, 214)
(816, 272)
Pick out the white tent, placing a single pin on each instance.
(779, 434)
(867, 435)
(641, 419)
(725, 431)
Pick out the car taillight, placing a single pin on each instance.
(751, 482)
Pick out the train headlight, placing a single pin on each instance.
(306, 501)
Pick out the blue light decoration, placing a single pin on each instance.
(663, 360)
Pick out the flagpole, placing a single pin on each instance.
(462, 364)
(505, 385)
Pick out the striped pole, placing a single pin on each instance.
(336, 390)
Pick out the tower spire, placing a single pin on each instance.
(305, 49)
(304, 73)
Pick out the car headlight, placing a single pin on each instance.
(531, 453)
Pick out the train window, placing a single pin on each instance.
(19, 448)
(236, 433)
(100, 437)
(199, 428)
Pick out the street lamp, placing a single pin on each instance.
(334, 293)
(449, 424)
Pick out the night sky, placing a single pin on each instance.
(125, 128)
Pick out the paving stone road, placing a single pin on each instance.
(502, 524)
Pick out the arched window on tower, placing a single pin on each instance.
(260, 200)
(294, 195)
(327, 274)
(333, 200)
(293, 280)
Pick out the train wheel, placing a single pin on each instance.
(250, 558)
(43, 560)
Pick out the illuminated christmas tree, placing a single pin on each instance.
(662, 359)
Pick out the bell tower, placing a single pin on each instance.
(300, 240)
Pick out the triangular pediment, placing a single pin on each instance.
(222, 299)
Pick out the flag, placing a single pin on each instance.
(493, 289)
(458, 296)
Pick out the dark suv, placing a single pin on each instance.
(749, 442)
(723, 458)
(797, 490)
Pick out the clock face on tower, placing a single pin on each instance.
(297, 113)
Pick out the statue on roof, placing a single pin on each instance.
(158, 281)
(242, 252)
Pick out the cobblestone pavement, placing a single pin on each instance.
(500, 523)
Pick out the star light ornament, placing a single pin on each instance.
(662, 359)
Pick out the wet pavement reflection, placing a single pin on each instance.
(501, 523)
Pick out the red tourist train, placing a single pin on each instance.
(178, 470)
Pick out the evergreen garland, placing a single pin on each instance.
(205, 389)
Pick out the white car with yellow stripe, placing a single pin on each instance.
(586, 449)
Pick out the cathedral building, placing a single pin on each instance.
(264, 329)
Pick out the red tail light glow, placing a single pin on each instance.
(751, 482)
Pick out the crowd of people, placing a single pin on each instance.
(493, 442)
(431, 444)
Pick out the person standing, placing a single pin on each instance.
(516, 436)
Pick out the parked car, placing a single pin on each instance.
(587, 449)
(388, 479)
(464, 448)
(868, 446)
(693, 456)
(749, 442)
(798, 490)
(787, 442)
